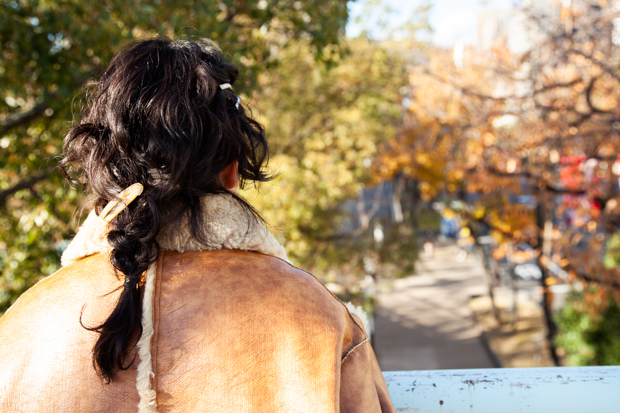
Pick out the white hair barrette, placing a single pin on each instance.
(225, 86)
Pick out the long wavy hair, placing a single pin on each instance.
(158, 117)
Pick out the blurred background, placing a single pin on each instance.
(451, 166)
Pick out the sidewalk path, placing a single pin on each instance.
(424, 322)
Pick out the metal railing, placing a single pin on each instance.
(508, 390)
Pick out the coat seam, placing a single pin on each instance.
(352, 350)
(156, 317)
(331, 293)
(148, 396)
(366, 338)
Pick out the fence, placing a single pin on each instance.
(510, 390)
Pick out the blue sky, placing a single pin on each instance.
(451, 20)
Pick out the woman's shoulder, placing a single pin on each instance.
(69, 289)
(257, 280)
(256, 298)
(237, 268)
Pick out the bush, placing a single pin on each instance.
(588, 340)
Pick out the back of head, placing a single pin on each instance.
(158, 117)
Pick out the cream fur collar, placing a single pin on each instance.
(228, 226)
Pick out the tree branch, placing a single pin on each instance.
(531, 94)
(21, 118)
(602, 65)
(606, 283)
(518, 97)
(24, 184)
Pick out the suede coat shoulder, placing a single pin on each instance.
(227, 327)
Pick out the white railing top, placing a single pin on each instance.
(508, 390)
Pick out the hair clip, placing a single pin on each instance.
(225, 86)
(123, 199)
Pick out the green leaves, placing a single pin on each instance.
(49, 49)
(589, 339)
(324, 125)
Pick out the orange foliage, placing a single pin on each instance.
(542, 124)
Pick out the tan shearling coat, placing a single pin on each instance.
(230, 328)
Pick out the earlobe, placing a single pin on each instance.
(230, 177)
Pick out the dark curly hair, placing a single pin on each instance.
(158, 117)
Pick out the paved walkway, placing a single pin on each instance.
(424, 323)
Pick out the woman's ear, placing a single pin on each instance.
(230, 177)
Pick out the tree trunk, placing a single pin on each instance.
(541, 218)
